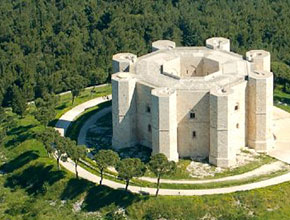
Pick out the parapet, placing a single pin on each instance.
(163, 92)
(122, 62)
(261, 74)
(260, 60)
(218, 43)
(162, 45)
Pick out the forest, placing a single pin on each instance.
(50, 46)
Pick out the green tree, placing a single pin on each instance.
(45, 115)
(104, 159)
(98, 76)
(61, 146)
(76, 153)
(18, 102)
(3, 134)
(48, 138)
(45, 109)
(129, 168)
(76, 85)
(160, 166)
(281, 75)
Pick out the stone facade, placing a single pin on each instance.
(199, 102)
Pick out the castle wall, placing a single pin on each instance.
(193, 102)
(197, 103)
(237, 110)
(123, 110)
(144, 114)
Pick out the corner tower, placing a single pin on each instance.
(260, 101)
(123, 101)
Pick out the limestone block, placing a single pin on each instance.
(162, 45)
(164, 137)
(259, 59)
(218, 43)
(123, 62)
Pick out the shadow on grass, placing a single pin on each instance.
(20, 130)
(19, 134)
(61, 107)
(19, 161)
(18, 140)
(34, 179)
(74, 188)
(102, 196)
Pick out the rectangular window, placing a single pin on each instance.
(236, 107)
(149, 128)
(148, 109)
(192, 115)
(193, 134)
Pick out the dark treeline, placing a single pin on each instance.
(46, 46)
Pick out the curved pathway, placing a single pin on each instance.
(69, 116)
(69, 165)
(90, 122)
(263, 170)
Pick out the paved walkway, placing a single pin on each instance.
(263, 170)
(69, 116)
(69, 165)
(282, 132)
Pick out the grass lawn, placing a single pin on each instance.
(91, 167)
(33, 188)
(282, 97)
(65, 101)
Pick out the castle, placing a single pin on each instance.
(204, 102)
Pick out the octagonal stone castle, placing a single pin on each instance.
(200, 102)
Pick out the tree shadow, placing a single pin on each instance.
(102, 196)
(61, 107)
(20, 134)
(20, 130)
(19, 161)
(74, 188)
(34, 179)
(18, 140)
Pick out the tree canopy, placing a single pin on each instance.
(104, 159)
(129, 168)
(45, 45)
(159, 165)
